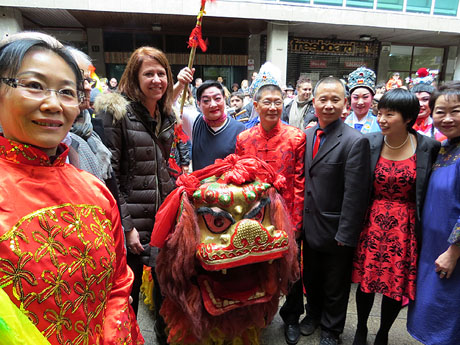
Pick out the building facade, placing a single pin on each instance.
(315, 38)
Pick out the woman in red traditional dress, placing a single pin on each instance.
(63, 263)
(386, 256)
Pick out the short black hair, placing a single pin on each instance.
(450, 89)
(206, 85)
(237, 94)
(264, 88)
(422, 88)
(402, 101)
(330, 80)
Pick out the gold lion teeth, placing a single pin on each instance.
(224, 271)
(270, 262)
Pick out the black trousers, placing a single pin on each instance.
(135, 263)
(293, 306)
(327, 279)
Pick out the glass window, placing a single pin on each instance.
(419, 6)
(329, 2)
(144, 39)
(234, 45)
(427, 57)
(446, 7)
(302, 1)
(400, 58)
(177, 44)
(118, 42)
(360, 3)
(393, 5)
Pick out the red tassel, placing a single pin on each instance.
(179, 134)
(203, 2)
(196, 40)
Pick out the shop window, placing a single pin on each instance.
(118, 42)
(150, 40)
(213, 45)
(427, 57)
(400, 58)
(115, 70)
(176, 44)
(329, 2)
(360, 3)
(235, 45)
(392, 5)
(419, 6)
(446, 7)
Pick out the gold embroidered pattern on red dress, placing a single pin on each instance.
(74, 244)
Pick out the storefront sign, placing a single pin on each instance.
(318, 64)
(354, 64)
(328, 47)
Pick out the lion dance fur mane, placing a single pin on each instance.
(178, 231)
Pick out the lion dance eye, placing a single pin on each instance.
(216, 224)
(260, 215)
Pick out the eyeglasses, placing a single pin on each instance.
(35, 90)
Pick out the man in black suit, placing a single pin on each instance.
(337, 181)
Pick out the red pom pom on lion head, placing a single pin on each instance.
(228, 252)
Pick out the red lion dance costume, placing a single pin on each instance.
(227, 253)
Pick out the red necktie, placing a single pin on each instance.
(319, 133)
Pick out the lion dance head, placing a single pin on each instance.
(227, 252)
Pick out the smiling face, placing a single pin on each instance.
(41, 123)
(304, 91)
(361, 101)
(329, 102)
(153, 80)
(446, 116)
(212, 103)
(391, 122)
(424, 100)
(270, 108)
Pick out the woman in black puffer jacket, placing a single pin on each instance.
(139, 128)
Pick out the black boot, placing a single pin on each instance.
(381, 338)
(360, 336)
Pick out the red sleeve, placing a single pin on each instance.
(120, 325)
(299, 182)
(239, 150)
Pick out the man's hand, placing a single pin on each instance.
(133, 243)
(185, 76)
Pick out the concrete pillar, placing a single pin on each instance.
(384, 62)
(254, 53)
(10, 21)
(277, 47)
(450, 62)
(455, 60)
(96, 50)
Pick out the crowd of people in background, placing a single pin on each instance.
(373, 195)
